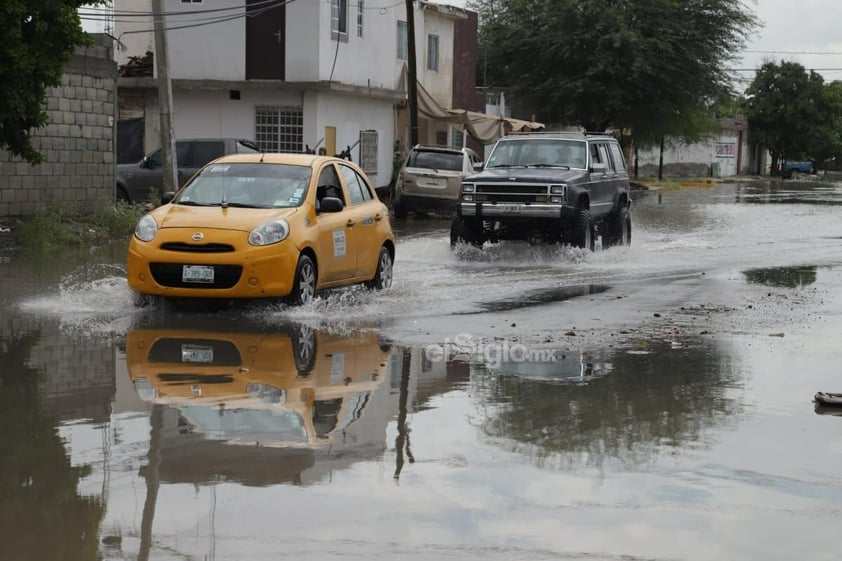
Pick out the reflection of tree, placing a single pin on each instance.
(41, 515)
(665, 398)
(787, 277)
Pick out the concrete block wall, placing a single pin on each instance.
(77, 143)
(76, 374)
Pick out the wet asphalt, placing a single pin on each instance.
(518, 402)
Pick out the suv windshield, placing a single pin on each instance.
(551, 152)
(247, 185)
(432, 159)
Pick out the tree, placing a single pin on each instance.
(793, 114)
(648, 66)
(39, 37)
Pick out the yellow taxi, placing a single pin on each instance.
(264, 225)
(293, 387)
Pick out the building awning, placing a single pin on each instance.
(485, 128)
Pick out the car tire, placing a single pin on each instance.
(583, 230)
(304, 282)
(122, 195)
(619, 227)
(304, 349)
(398, 209)
(383, 274)
(462, 231)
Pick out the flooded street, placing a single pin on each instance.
(514, 402)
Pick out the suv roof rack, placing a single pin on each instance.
(558, 132)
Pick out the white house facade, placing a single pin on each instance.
(727, 154)
(289, 74)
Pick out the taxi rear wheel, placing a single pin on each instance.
(304, 283)
(383, 275)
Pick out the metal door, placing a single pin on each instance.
(265, 40)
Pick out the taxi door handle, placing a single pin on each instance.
(350, 223)
(378, 217)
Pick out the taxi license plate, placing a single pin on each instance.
(196, 353)
(197, 273)
(509, 208)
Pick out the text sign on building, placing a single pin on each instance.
(726, 150)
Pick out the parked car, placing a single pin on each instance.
(431, 177)
(556, 187)
(138, 182)
(264, 225)
(790, 168)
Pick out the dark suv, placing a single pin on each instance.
(137, 182)
(547, 187)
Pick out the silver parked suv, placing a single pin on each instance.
(139, 181)
(431, 178)
(556, 187)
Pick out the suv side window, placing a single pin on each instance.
(604, 157)
(154, 160)
(617, 156)
(203, 152)
(595, 155)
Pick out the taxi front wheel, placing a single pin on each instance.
(304, 284)
(383, 275)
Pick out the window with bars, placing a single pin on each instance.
(457, 138)
(368, 151)
(279, 129)
(433, 52)
(403, 41)
(360, 12)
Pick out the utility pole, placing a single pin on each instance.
(170, 170)
(412, 74)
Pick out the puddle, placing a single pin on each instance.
(784, 277)
(544, 296)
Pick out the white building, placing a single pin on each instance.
(726, 154)
(289, 74)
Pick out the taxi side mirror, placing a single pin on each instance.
(331, 204)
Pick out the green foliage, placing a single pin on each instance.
(650, 67)
(39, 37)
(793, 114)
(57, 228)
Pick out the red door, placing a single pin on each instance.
(265, 40)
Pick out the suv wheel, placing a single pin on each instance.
(619, 227)
(461, 231)
(583, 230)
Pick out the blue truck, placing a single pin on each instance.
(789, 168)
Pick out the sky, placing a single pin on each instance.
(804, 31)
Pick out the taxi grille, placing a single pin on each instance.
(169, 274)
(198, 248)
(514, 193)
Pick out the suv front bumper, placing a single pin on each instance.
(514, 210)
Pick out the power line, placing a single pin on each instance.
(795, 52)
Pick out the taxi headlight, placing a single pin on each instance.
(269, 233)
(557, 189)
(468, 188)
(144, 389)
(146, 228)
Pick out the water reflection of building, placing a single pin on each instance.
(623, 408)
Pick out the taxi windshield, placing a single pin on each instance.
(251, 185)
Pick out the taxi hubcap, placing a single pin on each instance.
(306, 283)
(385, 269)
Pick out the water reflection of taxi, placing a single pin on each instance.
(297, 388)
(264, 225)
